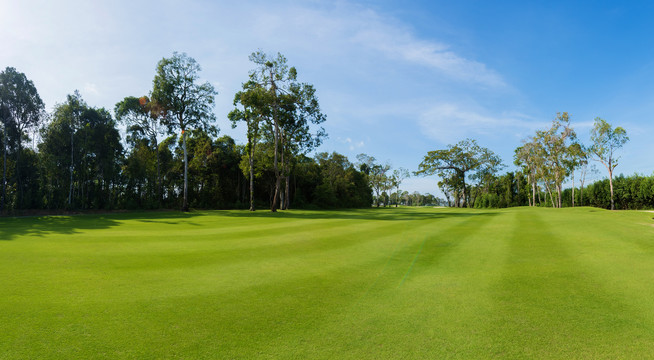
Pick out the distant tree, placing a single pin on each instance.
(554, 147)
(399, 175)
(187, 104)
(526, 156)
(458, 162)
(606, 140)
(376, 173)
(21, 109)
(576, 158)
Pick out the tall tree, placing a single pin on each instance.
(292, 107)
(300, 110)
(143, 119)
(376, 173)
(527, 157)
(554, 146)
(606, 140)
(22, 110)
(254, 100)
(187, 104)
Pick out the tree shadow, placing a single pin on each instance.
(380, 214)
(40, 226)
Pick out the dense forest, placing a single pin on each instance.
(173, 156)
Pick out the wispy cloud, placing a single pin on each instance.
(399, 43)
(352, 144)
(449, 122)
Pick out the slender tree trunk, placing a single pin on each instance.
(251, 161)
(185, 201)
(70, 190)
(19, 183)
(287, 180)
(611, 186)
(278, 178)
(156, 146)
(4, 169)
(573, 189)
(529, 197)
(581, 189)
(533, 192)
(549, 190)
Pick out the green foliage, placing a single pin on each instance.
(458, 162)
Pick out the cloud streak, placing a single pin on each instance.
(450, 122)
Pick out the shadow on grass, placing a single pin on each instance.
(40, 226)
(382, 214)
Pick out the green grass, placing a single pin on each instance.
(366, 284)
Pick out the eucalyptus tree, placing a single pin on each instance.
(293, 107)
(301, 110)
(276, 77)
(143, 119)
(526, 156)
(69, 114)
(576, 158)
(22, 109)
(376, 173)
(186, 105)
(253, 100)
(554, 147)
(459, 161)
(399, 175)
(606, 140)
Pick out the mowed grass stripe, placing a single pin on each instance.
(372, 283)
(418, 316)
(548, 305)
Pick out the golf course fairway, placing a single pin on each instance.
(394, 283)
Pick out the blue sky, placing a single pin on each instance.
(396, 79)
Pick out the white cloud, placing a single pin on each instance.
(449, 123)
(352, 144)
(399, 43)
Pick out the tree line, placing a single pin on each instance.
(469, 174)
(172, 156)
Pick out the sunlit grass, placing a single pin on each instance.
(377, 283)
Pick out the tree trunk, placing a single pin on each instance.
(529, 197)
(4, 170)
(288, 192)
(278, 178)
(549, 190)
(251, 161)
(573, 189)
(70, 190)
(156, 146)
(185, 201)
(611, 186)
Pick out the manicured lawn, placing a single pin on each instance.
(365, 284)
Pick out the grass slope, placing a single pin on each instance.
(376, 283)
